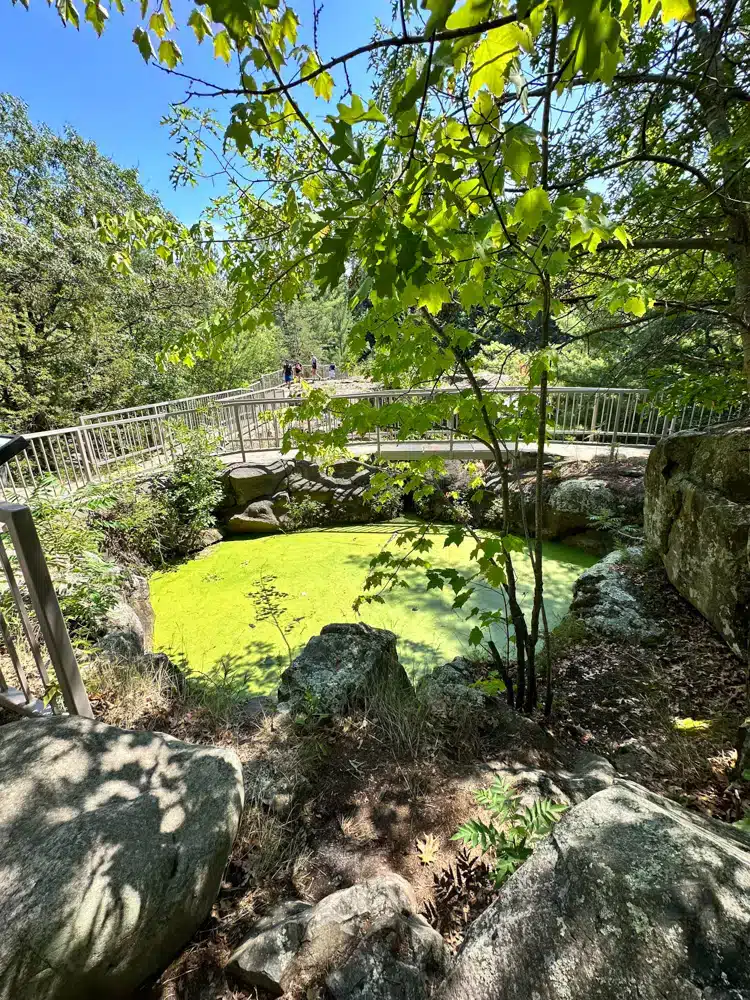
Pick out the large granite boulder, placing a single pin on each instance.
(246, 483)
(340, 667)
(697, 517)
(112, 848)
(365, 943)
(630, 896)
(606, 601)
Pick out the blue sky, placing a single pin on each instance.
(103, 88)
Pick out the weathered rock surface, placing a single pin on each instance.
(631, 896)
(586, 775)
(129, 625)
(259, 495)
(697, 517)
(365, 943)
(247, 483)
(112, 847)
(447, 691)
(338, 668)
(259, 518)
(605, 600)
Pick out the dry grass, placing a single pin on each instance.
(126, 692)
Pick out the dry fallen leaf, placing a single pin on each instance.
(427, 849)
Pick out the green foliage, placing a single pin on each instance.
(156, 518)
(304, 512)
(77, 336)
(513, 831)
(86, 581)
(491, 685)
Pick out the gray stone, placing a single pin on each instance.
(125, 644)
(247, 483)
(338, 668)
(112, 848)
(606, 601)
(582, 496)
(572, 785)
(399, 963)
(128, 627)
(266, 957)
(365, 942)
(447, 693)
(259, 518)
(697, 517)
(630, 896)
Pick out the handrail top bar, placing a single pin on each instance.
(448, 391)
(294, 400)
(8, 510)
(181, 399)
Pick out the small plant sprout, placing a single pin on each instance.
(514, 829)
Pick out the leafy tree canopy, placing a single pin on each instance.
(551, 165)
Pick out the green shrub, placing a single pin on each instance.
(514, 830)
(305, 513)
(151, 521)
(86, 582)
(387, 504)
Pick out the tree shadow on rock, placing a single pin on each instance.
(112, 845)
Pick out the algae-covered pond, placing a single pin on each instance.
(204, 613)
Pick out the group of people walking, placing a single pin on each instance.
(294, 371)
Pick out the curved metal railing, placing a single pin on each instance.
(246, 421)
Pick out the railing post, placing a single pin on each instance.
(46, 608)
(594, 416)
(236, 408)
(614, 429)
(83, 448)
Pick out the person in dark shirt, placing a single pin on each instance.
(287, 372)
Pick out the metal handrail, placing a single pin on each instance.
(99, 451)
(19, 527)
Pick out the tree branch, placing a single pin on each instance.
(671, 161)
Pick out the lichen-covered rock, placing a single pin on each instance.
(112, 847)
(258, 518)
(266, 957)
(447, 693)
(340, 667)
(582, 496)
(697, 517)
(605, 600)
(630, 896)
(365, 943)
(586, 775)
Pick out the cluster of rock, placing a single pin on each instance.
(697, 517)
(579, 510)
(113, 843)
(364, 943)
(258, 496)
(631, 895)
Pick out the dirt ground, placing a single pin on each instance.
(666, 716)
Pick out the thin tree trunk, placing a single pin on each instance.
(538, 561)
